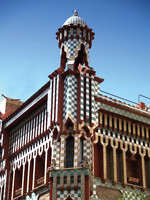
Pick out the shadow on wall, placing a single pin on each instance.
(107, 193)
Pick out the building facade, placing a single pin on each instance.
(70, 142)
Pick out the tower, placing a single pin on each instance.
(72, 158)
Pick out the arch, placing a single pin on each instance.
(69, 198)
(55, 133)
(69, 161)
(69, 125)
(87, 130)
(63, 59)
(81, 58)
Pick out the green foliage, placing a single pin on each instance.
(132, 196)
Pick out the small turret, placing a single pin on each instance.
(74, 40)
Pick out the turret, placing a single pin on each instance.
(74, 40)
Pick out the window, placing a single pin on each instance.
(134, 169)
(109, 157)
(119, 159)
(98, 160)
(147, 171)
(69, 152)
(81, 148)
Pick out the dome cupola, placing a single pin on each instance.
(75, 20)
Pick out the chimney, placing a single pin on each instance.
(141, 105)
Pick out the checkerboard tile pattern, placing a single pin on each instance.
(56, 152)
(97, 106)
(82, 97)
(70, 98)
(62, 156)
(108, 184)
(74, 194)
(92, 99)
(124, 113)
(97, 88)
(76, 144)
(87, 97)
(72, 46)
(86, 148)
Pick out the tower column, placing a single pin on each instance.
(28, 176)
(124, 168)
(33, 180)
(143, 171)
(114, 163)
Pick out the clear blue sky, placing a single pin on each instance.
(120, 53)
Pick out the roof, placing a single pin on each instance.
(4, 116)
(132, 108)
(75, 19)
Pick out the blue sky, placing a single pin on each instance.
(120, 53)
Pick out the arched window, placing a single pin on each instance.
(98, 160)
(147, 171)
(40, 168)
(134, 168)
(81, 148)
(18, 181)
(109, 157)
(69, 152)
(119, 161)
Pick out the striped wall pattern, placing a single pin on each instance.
(89, 88)
(125, 126)
(28, 129)
(70, 98)
(92, 100)
(33, 150)
(126, 142)
(52, 102)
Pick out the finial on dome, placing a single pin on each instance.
(75, 13)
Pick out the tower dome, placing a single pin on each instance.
(75, 20)
(74, 40)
